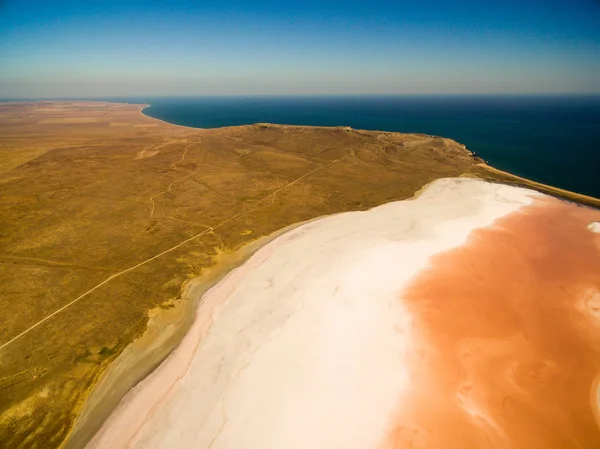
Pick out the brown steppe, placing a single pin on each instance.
(509, 337)
(105, 213)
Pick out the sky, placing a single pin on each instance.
(89, 48)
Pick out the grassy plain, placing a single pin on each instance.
(105, 213)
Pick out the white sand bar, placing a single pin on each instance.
(307, 345)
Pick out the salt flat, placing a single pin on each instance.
(310, 343)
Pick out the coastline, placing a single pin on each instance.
(165, 329)
(144, 354)
(146, 105)
(557, 192)
(515, 180)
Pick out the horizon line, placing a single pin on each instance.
(306, 95)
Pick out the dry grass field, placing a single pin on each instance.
(105, 213)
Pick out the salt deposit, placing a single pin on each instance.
(307, 344)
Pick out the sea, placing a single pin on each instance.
(550, 139)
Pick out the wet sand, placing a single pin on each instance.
(464, 319)
(509, 337)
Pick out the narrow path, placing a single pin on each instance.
(185, 152)
(173, 165)
(166, 191)
(209, 230)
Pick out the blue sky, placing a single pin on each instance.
(183, 47)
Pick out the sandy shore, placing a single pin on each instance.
(318, 342)
(165, 329)
(507, 177)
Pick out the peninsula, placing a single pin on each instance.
(116, 225)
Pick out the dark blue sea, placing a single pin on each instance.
(551, 139)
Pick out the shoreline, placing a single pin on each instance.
(165, 329)
(147, 105)
(141, 356)
(557, 192)
(548, 189)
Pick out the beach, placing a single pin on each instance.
(327, 336)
